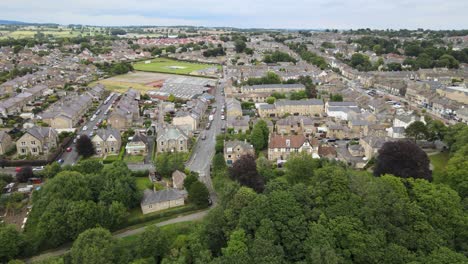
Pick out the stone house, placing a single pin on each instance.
(107, 141)
(280, 147)
(172, 139)
(371, 145)
(5, 142)
(126, 111)
(37, 141)
(233, 150)
(187, 120)
(282, 107)
(138, 145)
(156, 201)
(233, 108)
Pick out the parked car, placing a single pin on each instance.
(85, 128)
(203, 137)
(60, 161)
(69, 149)
(38, 168)
(222, 117)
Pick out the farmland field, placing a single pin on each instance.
(171, 66)
(29, 33)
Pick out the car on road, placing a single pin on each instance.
(38, 168)
(222, 117)
(95, 128)
(17, 169)
(85, 128)
(91, 134)
(69, 149)
(203, 137)
(60, 161)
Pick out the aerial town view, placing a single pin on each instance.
(211, 132)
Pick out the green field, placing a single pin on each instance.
(171, 66)
(55, 32)
(439, 161)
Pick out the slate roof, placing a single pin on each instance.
(346, 104)
(106, 133)
(152, 197)
(284, 102)
(233, 143)
(41, 132)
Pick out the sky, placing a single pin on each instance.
(294, 14)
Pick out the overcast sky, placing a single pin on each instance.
(314, 14)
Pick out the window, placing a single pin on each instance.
(33, 142)
(112, 149)
(181, 148)
(150, 206)
(23, 150)
(181, 142)
(23, 143)
(162, 143)
(34, 150)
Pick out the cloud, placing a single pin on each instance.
(436, 14)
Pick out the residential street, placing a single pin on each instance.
(70, 158)
(204, 151)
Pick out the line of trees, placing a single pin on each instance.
(310, 57)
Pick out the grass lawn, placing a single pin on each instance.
(439, 161)
(136, 217)
(134, 158)
(171, 66)
(143, 183)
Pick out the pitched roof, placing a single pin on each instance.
(152, 197)
(41, 132)
(104, 134)
(233, 143)
(291, 141)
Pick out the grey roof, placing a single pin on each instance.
(138, 137)
(41, 132)
(152, 197)
(3, 134)
(284, 102)
(276, 86)
(104, 134)
(234, 143)
(266, 106)
(347, 104)
(169, 133)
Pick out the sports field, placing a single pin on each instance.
(172, 66)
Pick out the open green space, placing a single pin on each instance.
(165, 65)
(439, 161)
(134, 158)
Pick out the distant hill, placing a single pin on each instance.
(11, 22)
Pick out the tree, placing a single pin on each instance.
(258, 139)
(244, 170)
(456, 175)
(189, 180)
(300, 168)
(167, 163)
(237, 244)
(436, 130)
(259, 135)
(51, 170)
(417, 130)
(85, 147)
(336, 98)
(24, 174)
(152, 243)
(403, 159)
(11, 242)
(270, 100)
(94, 246)
(198, 194)
(240, 45)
